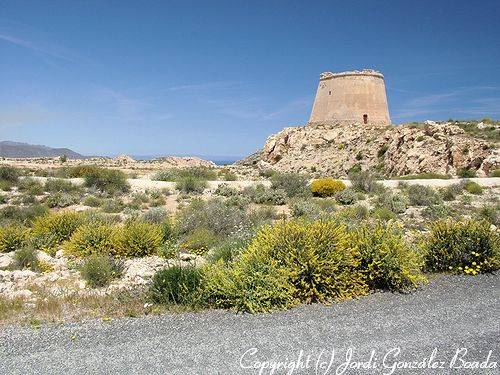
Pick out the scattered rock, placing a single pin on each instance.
(6, 260)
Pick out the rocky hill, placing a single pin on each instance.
(10, 149)
(336, 149)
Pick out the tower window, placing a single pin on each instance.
(329, 93)
(365, 119)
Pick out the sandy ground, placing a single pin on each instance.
(139, 184)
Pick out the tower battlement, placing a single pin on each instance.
(351, 97)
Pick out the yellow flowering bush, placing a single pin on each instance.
(12, 237)
(93, 238)
(137, 239)
(60, 226)
(326, 187)
(467, 246)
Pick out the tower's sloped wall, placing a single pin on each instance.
(353, 97)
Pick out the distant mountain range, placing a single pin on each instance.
(10, 149)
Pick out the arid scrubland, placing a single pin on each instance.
(82, 240)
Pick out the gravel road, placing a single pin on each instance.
(451, 313)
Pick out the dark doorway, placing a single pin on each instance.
(365, 119)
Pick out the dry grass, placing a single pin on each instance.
(48, 307)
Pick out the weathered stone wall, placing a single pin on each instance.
(347, 97)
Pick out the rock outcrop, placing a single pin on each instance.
(336, 149)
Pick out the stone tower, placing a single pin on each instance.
(351, 97)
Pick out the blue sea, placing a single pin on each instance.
(219, 160)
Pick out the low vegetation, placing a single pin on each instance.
(247, 247)
(326, 187)
(468, 246)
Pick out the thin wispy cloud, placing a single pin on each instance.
(44, 49)
(295, 105)
(473, 100)
(217, 85)
(25, 115)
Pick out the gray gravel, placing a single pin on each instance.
(451, 312)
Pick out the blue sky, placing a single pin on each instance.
(218, 77)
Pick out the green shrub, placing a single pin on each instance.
(113, 205)
(261, 195)
(490, 213)
(158, 202)
(43, 242)
(77, 171)
(382, 150)
(449, 193)
(252, 284)
(226, 191)
(61, 200)
(61, 225)
(139, 200)
(99, 270)
(191, 184)
(9, 174)
(436, 211)
(356, 212)
(267, 173)
(227, 250)
(466, 246)
(228, 175)
(365, 181)
(166, 175)
(22, 215)
(26, 258)
(356, 168)
(176, 174)
(214, 214)
(466, 173)
(137, 239)
(239, 201)
(420, 195)
(30, 185)
(107, 180)
(346, 196)
(92, 201)
(177, 285)
(94, 238)
(393, 202)
(384, 214)
(386, 260)
(23, 199)
(199, 241)
(316, 257)
(294, 184)
(155, 215)
(305, 208)
(326, 187)
(12, 237)
(6, 185)
(272, 196)
(473, 188)
(57, 185)
(3, 199)
(495, 173)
